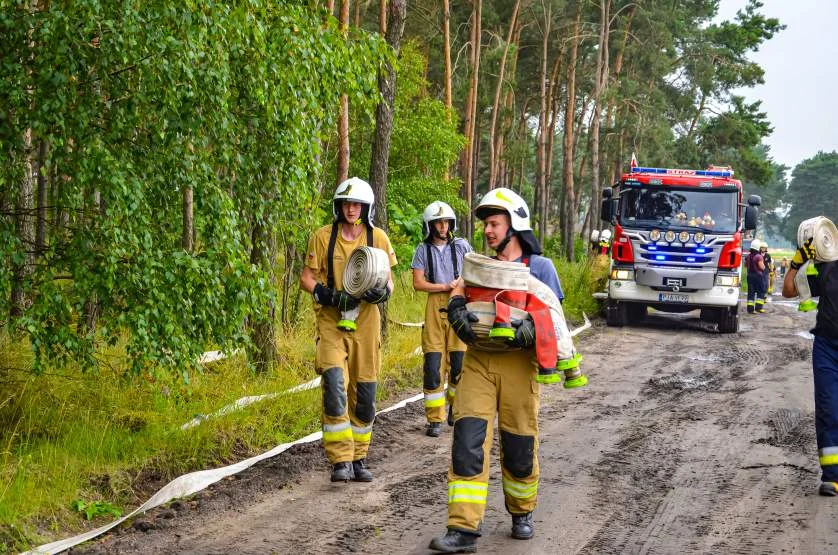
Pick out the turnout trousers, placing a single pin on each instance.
(502, 385)
(348, 364)
(443, 353)
(756, 293)
(825, 367)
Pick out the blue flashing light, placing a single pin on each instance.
(700, 251)
(652, 248)
(660, 257)
(690, 259)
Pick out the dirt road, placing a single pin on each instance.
(684, 441)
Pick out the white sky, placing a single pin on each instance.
(800, 94)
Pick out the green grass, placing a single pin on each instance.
(74, 445)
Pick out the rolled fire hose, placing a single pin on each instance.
(484, 272)
(824, 237)
(367, 268)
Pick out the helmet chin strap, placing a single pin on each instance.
(502, 244)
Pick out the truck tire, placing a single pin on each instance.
(729, 320)
(616, 313)
(712, 315)
(636, 312)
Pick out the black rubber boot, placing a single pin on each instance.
(522, 526)
(360, 472)
(455, 541)
(341, 472)
(434, 429)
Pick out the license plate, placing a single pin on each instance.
(673, 298)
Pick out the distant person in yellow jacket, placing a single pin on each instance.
(347, 361)
(437, 264)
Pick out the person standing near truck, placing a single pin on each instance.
(755, 265)
(824, 359)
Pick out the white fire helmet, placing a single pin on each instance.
(438, 210)
(605, 235)
(508, 201)
(594, 235)
(756, 244)
(355, 189)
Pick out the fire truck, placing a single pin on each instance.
(677, 243)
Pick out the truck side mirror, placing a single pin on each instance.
(754, 200)
(606, 211)
(751, 216)
(607, 193)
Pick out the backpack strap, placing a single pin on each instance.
(429, 266)
(330, 255)
(453, 244)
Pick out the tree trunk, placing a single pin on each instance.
(570, 201)
(600, 83)
(467, 157)
(343, 119)
(188, 230)
(43, 200)
(541, 147)
(493, 164)
(446, 48)
(262, 332)
(25, 230)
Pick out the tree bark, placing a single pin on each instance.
(493, 164)
(569, 197)
(43, 200)
(541, 147)
(25, 230)
(188, 231)
(343, 118)
(263, 353)
(384, 113)
(599, 85)
(467, 158)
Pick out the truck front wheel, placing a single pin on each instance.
(616, 313)
(729, 320)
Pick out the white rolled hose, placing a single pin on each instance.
(824, 237)
(482, 271)
(367, 268)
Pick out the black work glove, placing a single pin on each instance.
(524, 333)
(376, 295)
(461, 319)
(327, 296)
(804, 253)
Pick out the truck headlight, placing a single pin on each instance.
(727, 281)
(617, 273)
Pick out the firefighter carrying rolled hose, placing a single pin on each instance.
(501, 384)
(437, 265)
(347, 360)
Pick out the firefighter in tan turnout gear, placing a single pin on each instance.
(437, 263)
(347, 361)
(502, 384)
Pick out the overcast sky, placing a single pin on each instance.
(800, 94)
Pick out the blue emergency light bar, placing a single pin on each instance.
(673, 171)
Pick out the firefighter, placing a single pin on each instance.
(755, 265)
(437, 263)
(496, 384)
(769, 265)
(824, 359)
(594, 241)
(347, 361)
(605, 242)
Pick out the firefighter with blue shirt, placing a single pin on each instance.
(503, 385)
(437, 264)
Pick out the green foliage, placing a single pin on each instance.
(811, 192)
(93, 509)
(137, 102)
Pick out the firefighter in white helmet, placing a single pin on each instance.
(437, 264)
(496, 384)
(347, 361)
(755, 265)
(605, 242)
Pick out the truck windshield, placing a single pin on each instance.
(705, 209)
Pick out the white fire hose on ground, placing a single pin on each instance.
(824, 236)
(367, 268)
